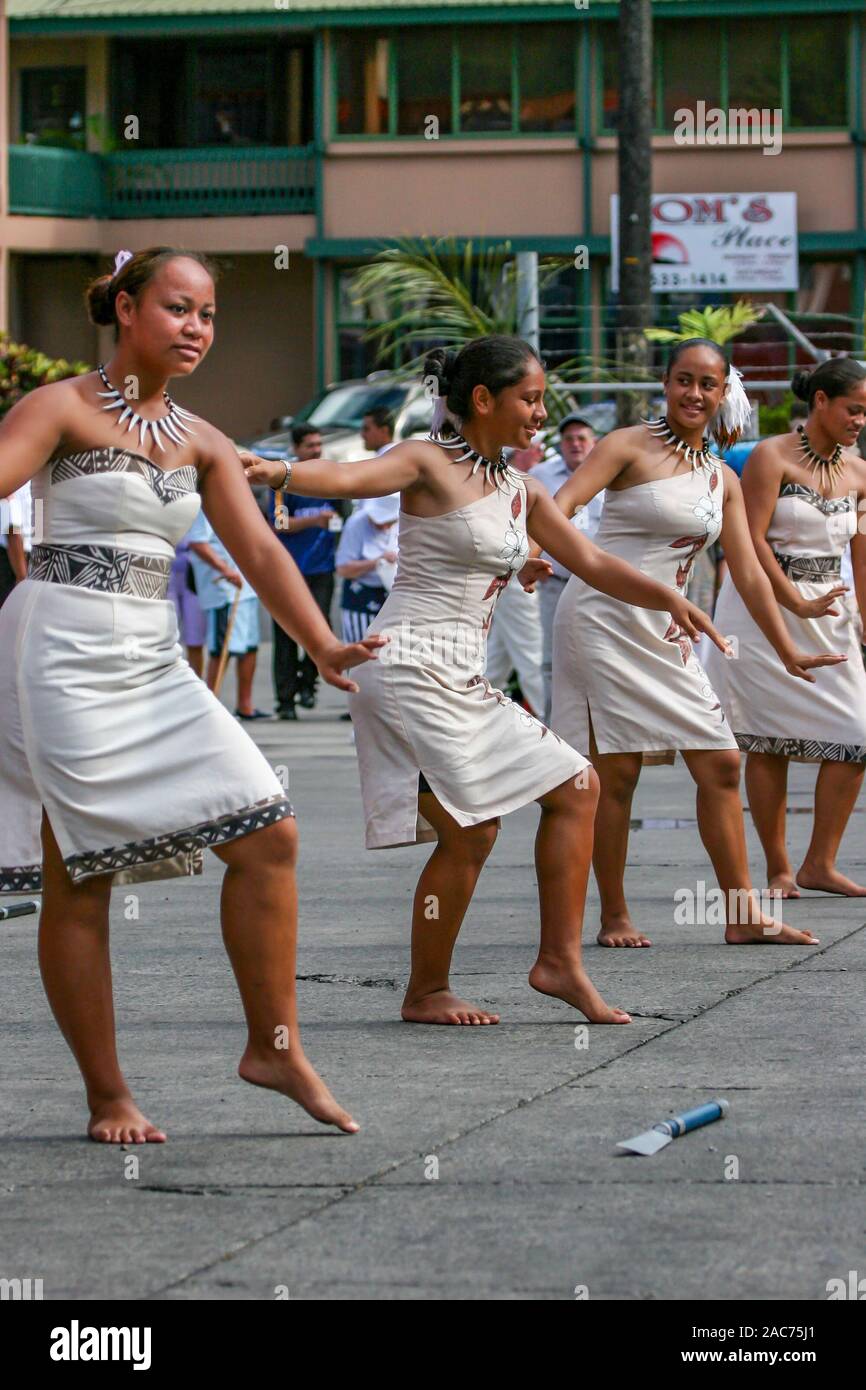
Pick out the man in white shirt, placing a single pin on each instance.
(576, 439)
(16, 532)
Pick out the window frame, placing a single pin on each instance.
(455, 32)
(29, 70)
(725, 22)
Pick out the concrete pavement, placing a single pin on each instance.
(486, 1166)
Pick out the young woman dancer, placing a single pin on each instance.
(104, 726)
(804, 492)
(442, 754)
(627, 682)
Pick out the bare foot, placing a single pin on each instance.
(766, 931)
(121, 1122)
(830, 881)
(619, 931)
(783, 886)
(570, 982)
(296, 1078)
(444, 1007)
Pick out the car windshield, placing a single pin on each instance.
(344, 407)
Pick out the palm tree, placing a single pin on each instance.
(435, 291)
(720, 324)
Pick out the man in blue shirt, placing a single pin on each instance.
(308, 527)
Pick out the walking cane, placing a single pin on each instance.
(224, 654)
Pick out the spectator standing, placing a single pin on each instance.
(191, 620)
(16, 531)
(366, 560)
(308, 528)
(576, 439)
(216, 579)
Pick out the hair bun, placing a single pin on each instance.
(441, 363)
(800, 384)
(99, 300)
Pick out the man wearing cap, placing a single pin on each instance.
(366, 561)
(576, 438)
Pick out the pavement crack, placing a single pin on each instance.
(374, 982)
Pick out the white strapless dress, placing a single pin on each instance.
(102, 721)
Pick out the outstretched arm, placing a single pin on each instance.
(392, 471)
(754, 587)
(546, 524)
(231, 509)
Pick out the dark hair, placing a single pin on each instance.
(799, 410)
(302, 432)
(101, 293)
(496, 361)
(677, 350)
(834, 377)
(381, 416)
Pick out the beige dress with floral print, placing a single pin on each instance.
(630, 671)
(424, 705)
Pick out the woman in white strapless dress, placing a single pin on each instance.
(116, 762)
(804, 493)
(627, 682)
(442, 755)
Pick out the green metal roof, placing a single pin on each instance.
(95, 9)
(90, 12)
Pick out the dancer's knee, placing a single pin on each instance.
(272, 847)
(473, 843)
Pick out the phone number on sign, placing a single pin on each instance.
(686, 279)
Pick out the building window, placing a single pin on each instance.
(545, 60)
(755, 68)
(53, 107)
(363, 106)
(236, 96)
(739, 63)
(191, 95)
(424, 78)
(816, 98)
(690, 67)
(485, 80)
(492, 80)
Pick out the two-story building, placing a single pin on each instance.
(293, 138)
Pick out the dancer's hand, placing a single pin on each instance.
(534, 571)
(268, 471)
(694, 621)
(823, 604)
(339, 657)
(802, 662)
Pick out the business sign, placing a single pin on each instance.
(718, 241)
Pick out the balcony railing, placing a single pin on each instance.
(219, 182)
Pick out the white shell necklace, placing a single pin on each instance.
(173, 424)
(695, 458)
(499, 468)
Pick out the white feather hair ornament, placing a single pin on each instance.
(734, 412)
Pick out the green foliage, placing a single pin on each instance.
(776, 418)
(720, 324)
(22, 369)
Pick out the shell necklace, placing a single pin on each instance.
(693, 457)
(835, 464)
(173, 424)
(499, 468)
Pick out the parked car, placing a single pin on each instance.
(339, 410)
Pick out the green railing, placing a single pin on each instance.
(219, 182)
